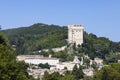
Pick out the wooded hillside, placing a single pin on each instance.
(36, 37)
(42, 36)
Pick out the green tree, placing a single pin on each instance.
(108, 73)
(68, 77)
(87, 62)
(78, 72)
(53, 76)
(46, 65)
(10, 69)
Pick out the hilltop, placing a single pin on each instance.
(42, 36)
(36, 37)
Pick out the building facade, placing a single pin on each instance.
(75, 34)
(36, 59)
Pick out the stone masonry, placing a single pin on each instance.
(75, 34)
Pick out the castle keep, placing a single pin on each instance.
(75, 34)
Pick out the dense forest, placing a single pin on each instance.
(10, 69)
(42, 36)
(36, 37)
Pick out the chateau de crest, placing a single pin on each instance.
(75, 34)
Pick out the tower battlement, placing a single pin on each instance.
(75, 25)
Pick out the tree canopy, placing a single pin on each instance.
(111, 72)
(10, 69)
(36, 37)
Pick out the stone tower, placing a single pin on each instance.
(75, 34)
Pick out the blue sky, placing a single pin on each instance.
(101, 17)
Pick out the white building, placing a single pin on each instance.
(88, 72)
(23, 57)
(99, 63)
(68, 65)
(75, 34)
(36, 59)
(98, 60)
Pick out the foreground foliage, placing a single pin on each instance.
(10, 69)
(111, 72)
(57, 76)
